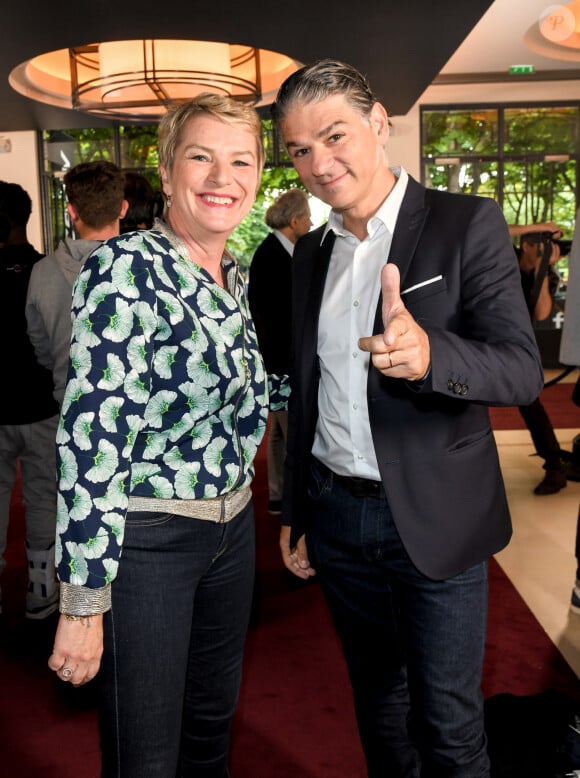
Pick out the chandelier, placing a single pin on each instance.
(140, 79)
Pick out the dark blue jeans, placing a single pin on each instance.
(414, 647)
(577, 550)
(174, 640)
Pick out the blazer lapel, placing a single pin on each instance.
(408, 229)
(321, 262)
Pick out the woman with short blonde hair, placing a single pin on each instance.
(165, 407)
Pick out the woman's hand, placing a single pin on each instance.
(78, 647)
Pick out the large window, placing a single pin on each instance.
(525, 157)
(132, 148)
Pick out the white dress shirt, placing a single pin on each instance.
(343, 440)
(286, 242)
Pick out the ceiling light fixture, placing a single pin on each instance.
(140, 79)
(556, 34)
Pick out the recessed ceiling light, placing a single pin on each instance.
(556, 34)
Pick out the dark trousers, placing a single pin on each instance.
(578, 546)
(543, 435)
(414, 647)
(173, 646)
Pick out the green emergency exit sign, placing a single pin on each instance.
(521, 70)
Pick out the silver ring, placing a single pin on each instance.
(390, 359)
(67, 672)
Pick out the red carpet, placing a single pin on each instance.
(295, 715)
(556, 399)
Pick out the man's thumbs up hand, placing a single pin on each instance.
(402, 351)
(392, 303)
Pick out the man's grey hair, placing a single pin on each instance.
(292, 203)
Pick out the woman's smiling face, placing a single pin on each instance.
(214, 177)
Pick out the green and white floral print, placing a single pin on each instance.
(166, 394)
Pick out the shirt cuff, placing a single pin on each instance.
(81, 601)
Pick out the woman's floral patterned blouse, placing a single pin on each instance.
(166, 394)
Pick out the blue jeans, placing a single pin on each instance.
(414, 647)
(173, 648)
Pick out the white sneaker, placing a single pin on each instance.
(41, 607)
(43, 591)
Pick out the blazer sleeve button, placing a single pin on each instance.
(464, 389)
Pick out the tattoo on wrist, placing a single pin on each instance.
(87, 620)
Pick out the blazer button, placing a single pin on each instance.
(464, 389)
(457, 388)
(450, 385)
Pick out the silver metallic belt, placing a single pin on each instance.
(218, 509)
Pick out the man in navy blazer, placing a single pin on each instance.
(408, 322)
(269, 298)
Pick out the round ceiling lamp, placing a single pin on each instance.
(556, 34)
(140, 79)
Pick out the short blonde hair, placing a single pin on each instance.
(221, 107)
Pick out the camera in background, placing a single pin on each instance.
(548, 237)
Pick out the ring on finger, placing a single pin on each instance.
(66, 672)
(390, 359)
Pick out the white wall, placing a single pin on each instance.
(20, 166)
(21, 163)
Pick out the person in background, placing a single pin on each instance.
(95, 205)
(570, 355)
(165, 406)
(270, 303)
(145, 204)
(28, 423)
(517, 230)
(4, 230)
(539, 283)
(575, 599)
(408, 321)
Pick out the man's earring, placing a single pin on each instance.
(169, 201)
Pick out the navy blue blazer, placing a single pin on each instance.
(269, 298)
(434, 443)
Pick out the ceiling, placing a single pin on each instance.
(498, 40)
(402, 46)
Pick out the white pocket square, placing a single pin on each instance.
(421, 284)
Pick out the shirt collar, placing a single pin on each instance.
(286, 242)
(228, 260)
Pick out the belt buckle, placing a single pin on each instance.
(363, 487)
